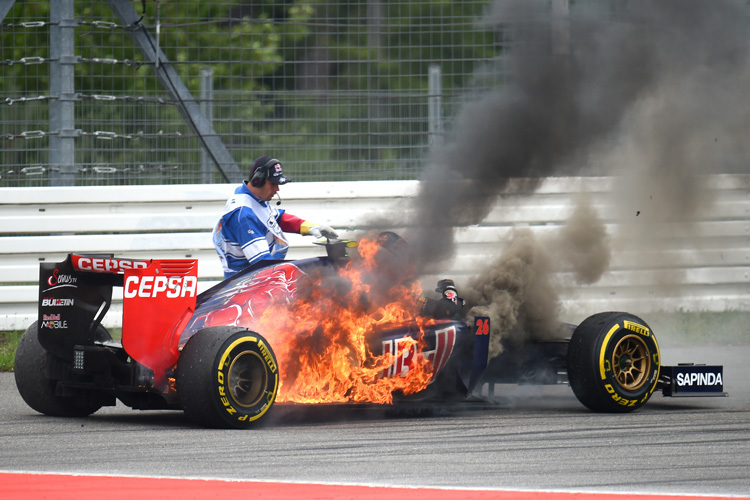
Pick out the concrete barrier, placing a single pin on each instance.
(704, 268)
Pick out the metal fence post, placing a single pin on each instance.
(434, 111)
(62, 86)
(207, 108)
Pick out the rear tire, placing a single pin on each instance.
(227, 378)
(613, 362)
(32, 364)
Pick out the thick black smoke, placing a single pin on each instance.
(652, 91)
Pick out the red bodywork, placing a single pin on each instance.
(158, 301)
(162, 310)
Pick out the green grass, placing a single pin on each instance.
(8, 344)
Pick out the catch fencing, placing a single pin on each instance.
(121, 92)
(705, 268)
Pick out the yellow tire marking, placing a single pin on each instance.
(276, 377)
(604, 348)
(233, 345)
(658, 368)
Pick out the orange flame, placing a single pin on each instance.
(322, 339)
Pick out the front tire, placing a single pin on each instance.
(227, 378)
(32, 364)
(613, 362)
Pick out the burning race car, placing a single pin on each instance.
(335, 329)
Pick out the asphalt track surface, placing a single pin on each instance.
(533, 439)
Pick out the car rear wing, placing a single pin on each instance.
(74, 297)
(158, 299)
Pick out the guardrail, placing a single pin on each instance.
(706, 268)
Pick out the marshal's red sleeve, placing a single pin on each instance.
(290, 223)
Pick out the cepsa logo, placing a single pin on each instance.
(104, 265)
(160, 286)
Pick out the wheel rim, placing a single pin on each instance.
(247, 379)
(631, 362)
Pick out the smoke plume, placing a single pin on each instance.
(651, 91)
(517, 293)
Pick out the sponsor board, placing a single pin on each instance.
(695, 380)
(698, 378)
(57, 302)
(160, 286)
(56, 280)
(106, 264)
(158, 300)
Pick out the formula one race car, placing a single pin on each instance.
(333, 329)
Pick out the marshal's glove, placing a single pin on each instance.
(323, 231)
(318, 230)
